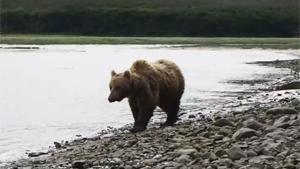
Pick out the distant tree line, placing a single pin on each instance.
(138, 22)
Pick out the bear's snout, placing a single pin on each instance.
(113, 97)
(110, 99)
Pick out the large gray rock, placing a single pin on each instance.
(253, 124)
(271, 148)
(295, 122)
(289, 86)
(236, 153)
(244, 133)
(277, 134)
(281, 110)
(258, 161)
(282, 122)
(225, 131)
(282, 119)
(223, 122)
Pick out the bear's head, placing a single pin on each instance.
(120, 86)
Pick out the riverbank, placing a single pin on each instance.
(261, 130)
(272, 43)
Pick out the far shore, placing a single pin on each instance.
(230, 42)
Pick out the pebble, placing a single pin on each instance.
(187, 151)
(57, 145)
(251, 153)
(183, 159)
(79, 164)
(36, 154)
(220, 152)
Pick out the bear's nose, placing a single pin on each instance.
(111, 99)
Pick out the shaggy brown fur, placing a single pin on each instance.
(147, 85)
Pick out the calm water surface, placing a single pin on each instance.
(57, 91)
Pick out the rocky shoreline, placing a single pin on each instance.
(265, 134)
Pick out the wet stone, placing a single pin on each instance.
(281, 120)
(223, 122)
(218, 137)
(37, 154)
(225, 131)
(149, 162)
(212, 156)
(236, 153)
(244, 133)
(187, 151)
(183, 158)
(251, 153)
(220, 152)
(253, 124)
(191, 116)
(281, 110)
(295, 122)
(289, 86)
(80, 164)
(273, 148)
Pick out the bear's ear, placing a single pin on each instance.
(127, 74)
(113, 73)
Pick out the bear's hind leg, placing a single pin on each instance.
(172, 110)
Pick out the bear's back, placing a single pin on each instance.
(142, 67)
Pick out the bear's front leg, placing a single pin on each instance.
(146, 109)
(145, 103)
(134, 109)
(142, 121)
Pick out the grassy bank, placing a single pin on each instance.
(278, 43)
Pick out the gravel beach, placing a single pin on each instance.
(261, 130)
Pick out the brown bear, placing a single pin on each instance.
(148, 85)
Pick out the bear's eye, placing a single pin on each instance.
(117, 88)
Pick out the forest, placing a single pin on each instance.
(257, 18)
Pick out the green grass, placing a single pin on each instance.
(277, 43)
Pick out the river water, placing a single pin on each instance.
(55, 92)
